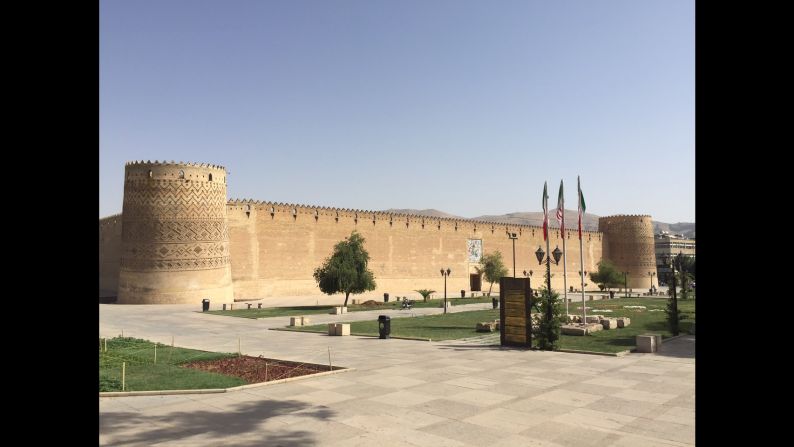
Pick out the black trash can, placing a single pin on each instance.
(495, 302)
(462, 293)
(384, 326)
(258, 305)
(205, 305)
(385, 297)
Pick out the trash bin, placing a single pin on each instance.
(495, 302)
(462, 293)
(205, 305)
(384, 326)
(385, 297)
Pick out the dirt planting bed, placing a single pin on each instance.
(258, 369)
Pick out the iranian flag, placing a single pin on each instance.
(561, 212)
(581, 205)
(545, 213)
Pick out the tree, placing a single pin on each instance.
(548, 333)
(607, 275)
(346, 269)
(492, 268)
(425, 293)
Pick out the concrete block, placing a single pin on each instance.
(623, 322)
(296, 321)
(331, 328)
(609, 323)
(344, 310)
(646, 343)
(572, 329)
(337, 311)
(594, 318)
(342, 329)
(593, 327)
(485, 327)
(590, 297)
(306, 321)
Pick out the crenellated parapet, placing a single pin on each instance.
(360, 216)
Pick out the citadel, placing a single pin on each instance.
(180, 240)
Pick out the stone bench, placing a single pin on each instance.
(594, 319)
(338, 328)
(624, 321)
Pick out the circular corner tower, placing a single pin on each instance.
(629, 245)
(175, 236)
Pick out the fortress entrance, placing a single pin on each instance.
(475, 283)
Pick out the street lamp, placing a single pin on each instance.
(528, 273)
(513, 237)
(539, 253)
(625, 284)
(665, 260)
(651, 274)
(445, 274)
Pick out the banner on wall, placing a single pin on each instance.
(475, 249)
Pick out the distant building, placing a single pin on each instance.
(670, 244)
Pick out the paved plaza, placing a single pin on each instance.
(403, 392)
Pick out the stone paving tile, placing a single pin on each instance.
(538, 382)
(468, 434)
(397, 382)
(645, 369)
(667, 388)
(504, 420)
(606, 391)
(481, 398)
(631, 394)
(403, 398)
(572, 398)
(525, 370)
(449, 408)
(361, 390)
(328, 382)
(474, 383)
(617, 405)
(678, 415)
(569, 435)
(616, 383)
(539, 409)
(580, 370)
(646, 441)
(522, 441)
(662, 430)
(587, 418)
(322, 397)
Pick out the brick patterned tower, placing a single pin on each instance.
(175, 236)
(629, 245)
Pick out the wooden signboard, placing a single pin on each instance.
(515, 303)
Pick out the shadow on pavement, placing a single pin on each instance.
(241, 420)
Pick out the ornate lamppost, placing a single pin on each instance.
(651, 274)
(625, 284)
(445, 274)
(539, 253)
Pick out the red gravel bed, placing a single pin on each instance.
(258, 369)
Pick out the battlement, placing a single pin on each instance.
(173, 163)
(373, 215)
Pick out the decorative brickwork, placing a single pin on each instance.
(630, 246)
(174, 219)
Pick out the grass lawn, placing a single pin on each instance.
(326, 309)
(642, 321)
(435, 327)
(462, 324)
(143, 375)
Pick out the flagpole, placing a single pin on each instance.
(581, 260)
(580, 206)
(565, 274)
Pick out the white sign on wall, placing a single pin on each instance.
(474, 247)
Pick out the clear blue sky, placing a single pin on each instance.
(462, 106)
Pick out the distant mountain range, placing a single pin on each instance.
(589, 221)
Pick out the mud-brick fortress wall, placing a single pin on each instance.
(174, 234)
(109, 255)
(179, 240)
(630, 247)
(275, 248)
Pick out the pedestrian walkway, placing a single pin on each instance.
(405, 392)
